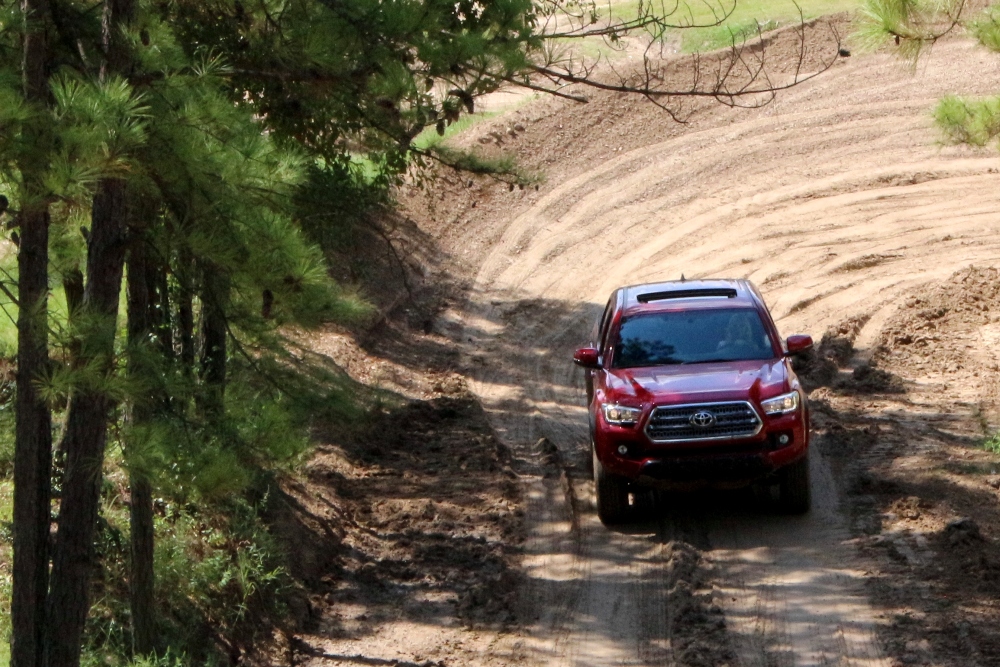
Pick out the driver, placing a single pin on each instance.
(738, 335)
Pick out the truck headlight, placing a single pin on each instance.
(781, 405)
(621, 415)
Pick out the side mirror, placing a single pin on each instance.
(798, 343)
(588, 357)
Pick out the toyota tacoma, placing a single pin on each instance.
(689, 386)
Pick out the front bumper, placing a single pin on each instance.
(698, 464)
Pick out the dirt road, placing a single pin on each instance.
(837, 202)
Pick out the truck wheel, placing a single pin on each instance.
(612, 495)
(793, 487)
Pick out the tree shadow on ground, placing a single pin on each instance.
(414, 517)
(916, 484)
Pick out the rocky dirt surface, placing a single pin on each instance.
(859, 228)
(920, 489)
(415, 519)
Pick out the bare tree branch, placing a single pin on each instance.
(742, 76)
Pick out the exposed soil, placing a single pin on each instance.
(413, 520)
(921, 490)
(859, 229)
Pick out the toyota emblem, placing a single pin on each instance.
(702, 419)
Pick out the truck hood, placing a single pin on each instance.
(698, 383)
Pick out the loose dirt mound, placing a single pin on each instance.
(923, 492)
(947, 329)
(415, 521)
(821, 365)
(695, 624)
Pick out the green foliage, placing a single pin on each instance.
(334, 76)
(431, 137)
(107, 624)
(102, 125)
(8, 309)
(168, 659)
(6, 511)
(217, 570)
(219, 573)
(13, 114)
(337, 198)
(969, 121)
(273, 396)
(504, 166)
(986, 28)
(5, 629)
(912, 24)
(210, 575)
(992, 444)
(210, 187)
(7, 427)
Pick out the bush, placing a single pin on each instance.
(218, 571)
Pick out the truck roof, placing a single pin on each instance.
(682, 294)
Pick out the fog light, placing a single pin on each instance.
(623, 450)
(782, 439)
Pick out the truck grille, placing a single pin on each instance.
(703, 421)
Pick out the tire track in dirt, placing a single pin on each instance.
(836, 201)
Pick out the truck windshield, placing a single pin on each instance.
(691, 337)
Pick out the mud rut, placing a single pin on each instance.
(604, 597)
(836, 202)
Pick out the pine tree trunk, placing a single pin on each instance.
(85, 435)
(33, 448)
(33, 436)
(73, 289)
(185, 312)
(141, 315)
(215, 296)
(87, 422)
(142, 584)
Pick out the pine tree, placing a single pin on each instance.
(225, 193)
(914, 27)
(33, 452)
(218, 198)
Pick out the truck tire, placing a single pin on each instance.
(793, 488)
(612, 495)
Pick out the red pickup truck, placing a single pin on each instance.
(689, 385)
